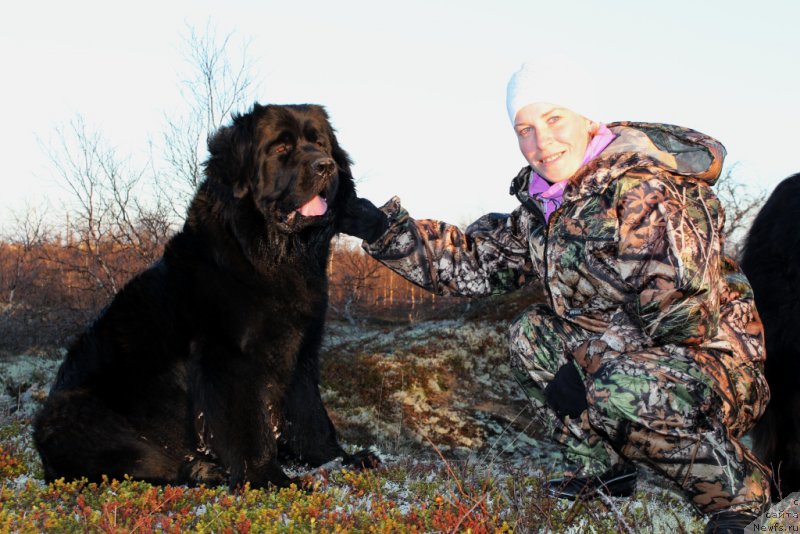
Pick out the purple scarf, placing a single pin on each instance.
(550, 195)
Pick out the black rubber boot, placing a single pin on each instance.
(729, 523)
(619, 481)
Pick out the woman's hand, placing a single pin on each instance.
(360, 218)
(566, 393)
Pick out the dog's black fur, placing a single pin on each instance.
(204, 368)
(771, 261)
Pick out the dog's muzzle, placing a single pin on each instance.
(323, 167)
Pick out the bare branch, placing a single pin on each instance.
(105, 210)
(741, 206)
(119, 215)
(216, 87)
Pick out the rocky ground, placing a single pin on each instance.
(435, 399)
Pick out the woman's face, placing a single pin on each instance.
(553, 139)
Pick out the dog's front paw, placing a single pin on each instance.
(197, 471)
(306, 483)
(363, 459)
(269, 476)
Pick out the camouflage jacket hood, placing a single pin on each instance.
(633, 254)
(686, 154)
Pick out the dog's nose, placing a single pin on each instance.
(323, 167)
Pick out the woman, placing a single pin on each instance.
(649, 348)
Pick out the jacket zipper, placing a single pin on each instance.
(548, 227)
(534, 208)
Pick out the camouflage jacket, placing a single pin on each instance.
(633, 255)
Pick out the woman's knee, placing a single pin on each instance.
(531, 322)
(537, 340)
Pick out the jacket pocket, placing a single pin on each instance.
(588, 229)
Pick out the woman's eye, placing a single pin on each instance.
(553, 119)
(524, 132)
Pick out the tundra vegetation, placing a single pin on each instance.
(460, 446)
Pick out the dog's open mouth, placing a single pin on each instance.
(313, 210)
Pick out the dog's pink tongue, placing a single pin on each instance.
(312, 208)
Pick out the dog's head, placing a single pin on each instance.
(286, 162)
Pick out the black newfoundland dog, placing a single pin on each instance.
(204, 368)
(771, 261)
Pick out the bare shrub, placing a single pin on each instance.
(741, 206)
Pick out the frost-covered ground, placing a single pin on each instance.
(446, 389)
(435, 399)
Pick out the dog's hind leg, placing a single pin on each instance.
(77, 436)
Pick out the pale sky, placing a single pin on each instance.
(415, 89)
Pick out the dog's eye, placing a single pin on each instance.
(280, 149)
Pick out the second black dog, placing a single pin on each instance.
(771, 261)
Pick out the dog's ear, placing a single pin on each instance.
(231, 155)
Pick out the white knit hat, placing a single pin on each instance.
(555, 79)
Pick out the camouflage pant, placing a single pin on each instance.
(658, 406)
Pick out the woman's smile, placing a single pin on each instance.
(550, 159)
